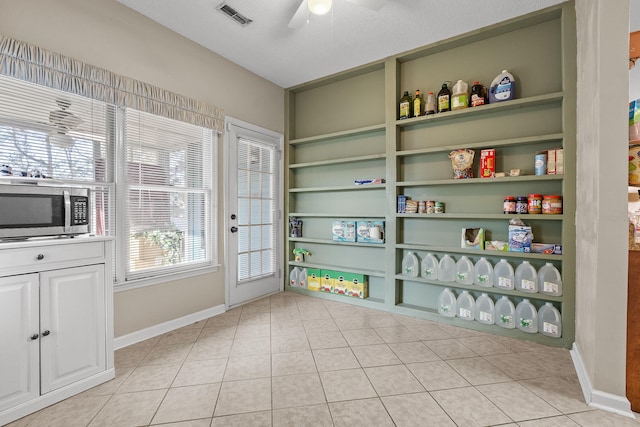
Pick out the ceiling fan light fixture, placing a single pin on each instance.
(60, 139)
(319, 7)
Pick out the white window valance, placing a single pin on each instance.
(31, 63)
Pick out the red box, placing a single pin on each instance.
(488, 163)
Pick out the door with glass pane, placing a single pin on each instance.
(253, 216)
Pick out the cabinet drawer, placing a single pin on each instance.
(38, 258)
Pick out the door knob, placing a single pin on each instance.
(34, 337)
(234, 229)
(40, 256)
(45, 333)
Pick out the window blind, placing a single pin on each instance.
(168, 167)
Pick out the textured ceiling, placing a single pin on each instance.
(348, 36)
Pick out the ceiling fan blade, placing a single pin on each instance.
(369, 4)
(300, 17)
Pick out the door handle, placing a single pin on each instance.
(46, 333)
(234, 229)
(34, 337)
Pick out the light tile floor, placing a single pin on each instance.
(293, 360)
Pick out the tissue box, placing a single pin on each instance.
(363, 234)
(472, 238)
(496, 245)
(314, 276)
(520, 238)
(343, 231)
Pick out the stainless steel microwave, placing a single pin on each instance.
(31, 210)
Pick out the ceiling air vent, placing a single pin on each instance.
(234, 14)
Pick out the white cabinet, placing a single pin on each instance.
(55, 323)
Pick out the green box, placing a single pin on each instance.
(327, 281)
(357, 285)
(340, 284)
(314, 278)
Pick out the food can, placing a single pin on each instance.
(431, 206)
(552, 204)
(509, 205)
(535, 203)
(541, 164)
(439, 207)
(422, 206)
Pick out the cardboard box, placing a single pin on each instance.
(357, 285)
(488, 163)
(314, 276)
(343, 231)
(546, 248)
(551, 162)
(363, 234)
(559, 161)
(520, 238)
(496, 245)
(339, 283)
(472, 238)
(326, 281)
(402, 203)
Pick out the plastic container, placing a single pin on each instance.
(429, 267)
(526, 278)
(293, 277)
(505, 313)
(464, 271)
(478, 95)
(430, 104)
(534, 203)
(447, 303)
(526, 317)
(410, 265)
(549, 321)
(447, 269)
(466, 306)
(302, 278)
(483, 273)
(549, 280)
(502, 87)
(503, 276)
(485, 310)
(460, 97)
(552, 204)
(444, 98)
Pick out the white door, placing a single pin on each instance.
(72, 325)
(19, 335)
(253, 213)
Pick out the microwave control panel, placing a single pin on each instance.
(79, 210)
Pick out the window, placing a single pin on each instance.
(168, 179)
(164, 178)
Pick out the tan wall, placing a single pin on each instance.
(109, 35)
(601, 221)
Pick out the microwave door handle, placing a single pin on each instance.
(67, 211)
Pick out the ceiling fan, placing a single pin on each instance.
(62, 121)
(321, 7)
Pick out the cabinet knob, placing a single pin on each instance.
(45, 333)
(34, 337)
(40, 256)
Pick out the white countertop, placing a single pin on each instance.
(52, 240)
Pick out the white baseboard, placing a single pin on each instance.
(159, 329)
(596, 398)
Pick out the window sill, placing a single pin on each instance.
(164, 278)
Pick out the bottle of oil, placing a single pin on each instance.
(444, 99)
(478, 95)
(418, 105)
(405, 106)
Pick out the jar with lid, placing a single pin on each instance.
(522, 205)
(535, 204)
(509, 205)
(552, 204)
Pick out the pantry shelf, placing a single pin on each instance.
(363, 302)
(478, 252)
(490, 290)
(335, 242)
(481, 181)
(501, 143)
(466, 113)
(339, 188)
(338, 161)
(334, 215)
(473, 216)
(337, 267)
(341, 134)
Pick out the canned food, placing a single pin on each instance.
(422, 206)
(552, 205)
(439, 207)
(535, 203)
(509, 205)
(431, 206)
(541, 164)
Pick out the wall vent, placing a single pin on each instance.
(234, 14)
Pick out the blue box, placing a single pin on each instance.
(520, 238)
(343, 231)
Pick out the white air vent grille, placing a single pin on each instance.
(234, 14)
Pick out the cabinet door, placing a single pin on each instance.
(19, 337)
(72, 325)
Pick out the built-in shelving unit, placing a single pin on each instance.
(345, 128)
